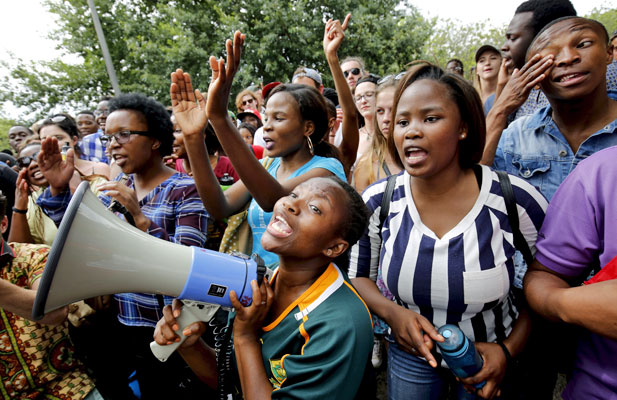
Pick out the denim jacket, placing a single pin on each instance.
(533, 148)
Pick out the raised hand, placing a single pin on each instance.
(222, 77)
(334, 34)
(57, 171)
(189, 106)
(22, 190)
(516, 91)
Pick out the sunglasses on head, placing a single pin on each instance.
(24, 162)
(57, 118)
(387, 78)
(353, 71)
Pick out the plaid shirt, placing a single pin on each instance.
(92, 149)
(176, 214)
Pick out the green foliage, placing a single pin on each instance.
(5, 125)
(453, 39)
(150, 38)
(605, 15)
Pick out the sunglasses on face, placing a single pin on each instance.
(250, 101)
(353, 71)
(121, 137)
(24, 162)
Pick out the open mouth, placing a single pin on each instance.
(38, 175)
(278, 227)
(571, 79)
(269, 143)
(415, 155)
(119, 159)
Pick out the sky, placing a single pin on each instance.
(25, 24)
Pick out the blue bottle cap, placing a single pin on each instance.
(455, 338)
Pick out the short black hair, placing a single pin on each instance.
(456, 60)
(86, 112)
(3, 202)
(358, 214)
(157, 117)
(23, 126)
(467, 100)
(590, 21)
(545, 11)
(248, 127)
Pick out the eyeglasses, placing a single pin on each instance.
(122, 137)
(353, 71)
(24, 162)
(98, 113)
(393, 77)
(250, 101)
(366, 96)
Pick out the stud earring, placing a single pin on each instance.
(329, 252)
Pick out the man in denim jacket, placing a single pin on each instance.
(546, 146)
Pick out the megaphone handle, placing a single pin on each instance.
(190, 313)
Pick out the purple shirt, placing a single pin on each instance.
(579, 233)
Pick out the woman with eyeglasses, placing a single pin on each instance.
(161, 201)
(246, 100)
(378, 163)
(364, 96)
(29, 224)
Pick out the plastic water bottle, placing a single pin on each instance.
(460, 353)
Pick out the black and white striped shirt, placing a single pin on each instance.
(461, 278)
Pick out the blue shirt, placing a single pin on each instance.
(176, 213)
(533, 148)
(92, 148)
(259, 219)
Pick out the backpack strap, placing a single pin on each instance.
(385, 200)
(508, 196)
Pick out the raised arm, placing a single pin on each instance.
(20, 230)
(189, 108)
(264, 188)
(333, 37)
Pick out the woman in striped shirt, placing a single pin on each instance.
(446, 247)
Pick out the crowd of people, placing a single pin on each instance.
(387, 207)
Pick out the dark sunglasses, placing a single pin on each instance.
(121, 137)
(245, 102)
(24, 162)
(353, 71)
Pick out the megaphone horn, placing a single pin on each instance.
(96, 253)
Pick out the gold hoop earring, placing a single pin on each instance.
(310, 145)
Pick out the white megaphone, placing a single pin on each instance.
(96, 253)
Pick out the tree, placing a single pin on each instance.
(150, 38)
(606, 16)
(453, 39)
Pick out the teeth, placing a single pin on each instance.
(568, 77)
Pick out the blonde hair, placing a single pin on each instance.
(379, 148)
(244, 93)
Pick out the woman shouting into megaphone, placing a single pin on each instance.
(307, 333)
